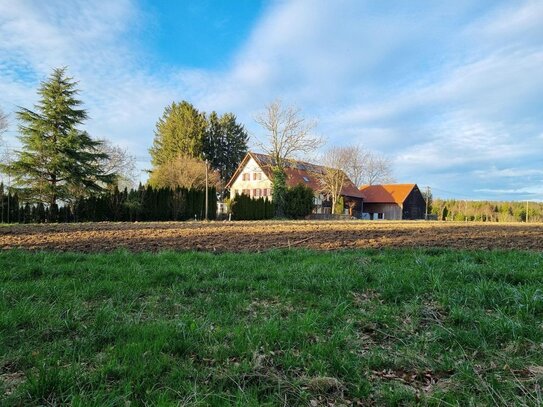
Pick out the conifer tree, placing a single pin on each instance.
(56, 156)
(179, 132)
(185, 132)
(225, 143)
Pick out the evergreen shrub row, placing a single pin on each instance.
(298, 203)
(141, 204)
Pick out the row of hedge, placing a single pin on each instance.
(245, 208)
(298, 204)
(141, 204)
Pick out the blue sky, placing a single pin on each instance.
(452, 92)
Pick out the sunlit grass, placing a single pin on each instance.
(434, 327)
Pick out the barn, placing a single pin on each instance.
(393, 201)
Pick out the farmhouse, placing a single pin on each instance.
(254, 178)
(393, 201)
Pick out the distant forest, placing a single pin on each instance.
(486, 211)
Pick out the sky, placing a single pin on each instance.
(451, 92)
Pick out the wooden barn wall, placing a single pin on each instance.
(391, 211)
(414, 207)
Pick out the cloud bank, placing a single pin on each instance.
(451, 92)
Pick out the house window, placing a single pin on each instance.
(256, 192)
(257, 176)
(264, 192)
(306, 179)
(246, 192)
(246, 177)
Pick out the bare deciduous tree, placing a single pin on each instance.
(351, 204)
(355, 157)
(377, 169)
(118, 162)
(365, 167)
(333, 178)
(355, 163)
(185, 172)
(288, 133)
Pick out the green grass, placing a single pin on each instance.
(393, 327)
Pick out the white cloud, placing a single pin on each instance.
(123, 101)
(450, 93)
(516, 22)
(508, 172)
(531, 193)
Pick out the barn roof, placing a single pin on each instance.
(386, 193)
(298, 172)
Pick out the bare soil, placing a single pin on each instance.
(257, 236)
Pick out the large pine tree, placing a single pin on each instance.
(57, 159)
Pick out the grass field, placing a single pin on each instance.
(289, 327)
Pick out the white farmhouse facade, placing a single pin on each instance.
(251, 181)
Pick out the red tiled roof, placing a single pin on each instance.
(388, 193)
(298, 172)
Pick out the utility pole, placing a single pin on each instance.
(9, 191)
(206, 193)
(2, 200)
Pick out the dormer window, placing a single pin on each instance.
(306, 179)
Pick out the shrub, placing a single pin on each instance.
(245, 208)
(298, 201)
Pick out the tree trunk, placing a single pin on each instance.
(53, 199)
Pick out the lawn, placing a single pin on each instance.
(286, 327)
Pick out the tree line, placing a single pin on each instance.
(487, 211)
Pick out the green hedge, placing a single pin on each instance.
(141, 204)
(245, 208)
(298, 203)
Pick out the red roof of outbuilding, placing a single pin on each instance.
(387, 193)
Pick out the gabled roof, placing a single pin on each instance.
(298, 172)
(386, 193)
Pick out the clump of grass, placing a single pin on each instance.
(292, 327)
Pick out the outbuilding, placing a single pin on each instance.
(393, 201)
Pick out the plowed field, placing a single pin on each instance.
(256, 236)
